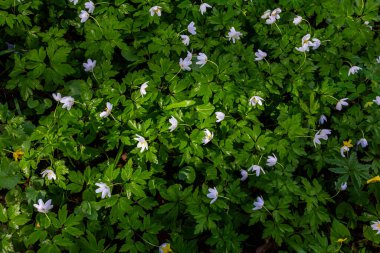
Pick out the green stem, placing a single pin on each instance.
(115, 118)
(330, 96)
(96, 21)
(304, 60)
(268, 64)
(277, 27)
(175, 75)
(147, 241)
(267, 210)
(260, 159)
(179, 34)
(217, 68)
(93, 73)
(308, 24)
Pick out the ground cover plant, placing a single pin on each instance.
(189, 126)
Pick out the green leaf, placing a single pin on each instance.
(204, 111)
(38, 235)
(185, 103)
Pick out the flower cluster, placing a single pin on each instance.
(85, 15)
(271, 16)
(306, 43)
(67, 101)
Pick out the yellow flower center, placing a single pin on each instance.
(18, 154)
(166, 248)
(347, 144)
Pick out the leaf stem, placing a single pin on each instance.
(175, 75)
(147, 241)
(304, 60)
(277, 27)
(217, 68)
(96, 21)
(93, 73)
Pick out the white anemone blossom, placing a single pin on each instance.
(233, 35)
(43, 207)
(107, 111)
(142, 143)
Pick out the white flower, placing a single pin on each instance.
(84, 15)
(202, 59)
(189, 56)
(107, 111)
(244, 175)
(275, 13)
(270, 20)
(376, 226)
(50, 174)
(297, 20)
(234, 35)
(306, 43)
(174, 123)
(202, 7)
(67, 102)
(343, 186)
(377, 100)
(89, 66)
(256, 100)
(271, 16)
(90, 6)
(306, 40)
(304, 48)
(260, 55)
(341, 103)
(208, 137)
(74, 1)
(155, 10)
(353, 70)
(316, 43)
(259, 203)
(321, 134)
(142, 143)
(362, 142)
(272, 160)
(143, 88)
(57, 97)
(266, 14)
(213, 194)
(185, 40)
(322, 119)
(104, 189)
(43, 207)
(344, 149)
(378, 60)
(257, 169)
(324, 133)
(185, 64)
(191, 28)
(366, 23)
(219, 116)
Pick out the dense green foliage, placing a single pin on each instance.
(159, 195)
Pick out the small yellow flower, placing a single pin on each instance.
(17, 155)
(347, 144)
(373, 180)
(341, 240)
(165, 248)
